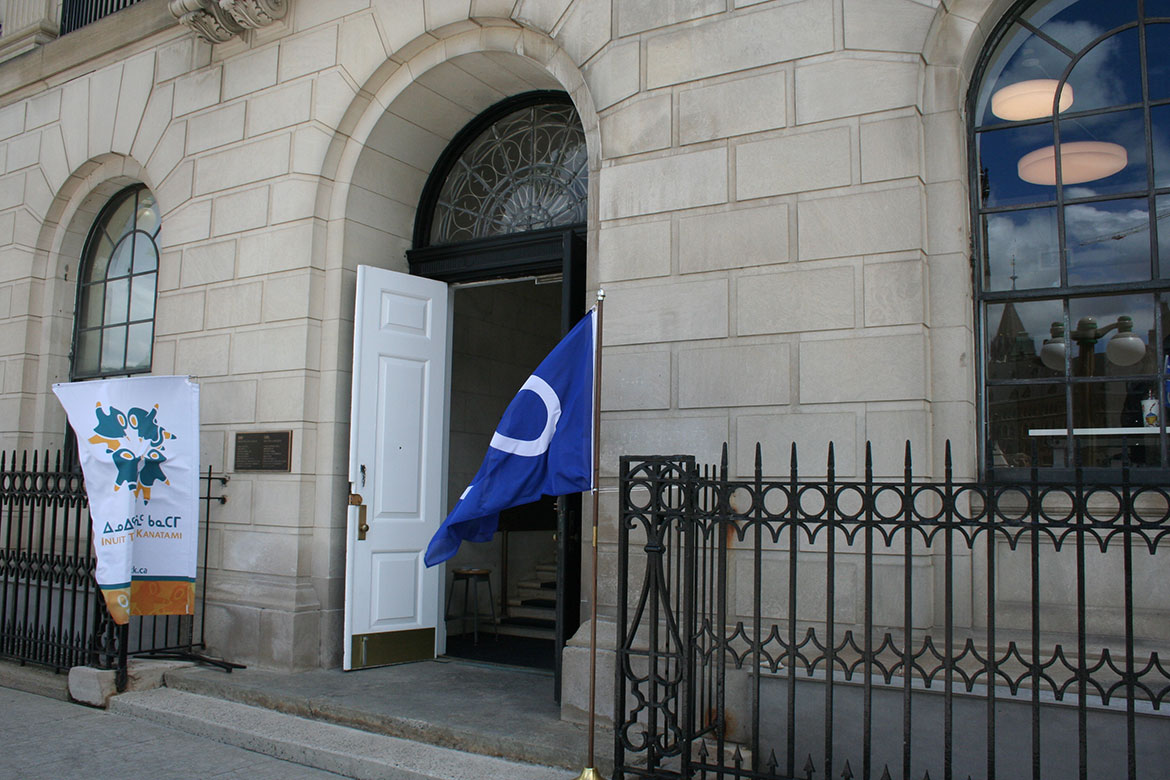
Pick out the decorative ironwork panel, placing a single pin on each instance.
(527, 171)
(48, 603)
(652, 644)
(50, 610)
(894, 628)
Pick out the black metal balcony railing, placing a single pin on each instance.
(78, 13)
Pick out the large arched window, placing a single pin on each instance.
(1070, 128)
(114, 326)
(522, 165)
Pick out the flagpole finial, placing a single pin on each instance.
(600, 294)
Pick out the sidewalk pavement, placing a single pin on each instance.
(431, 720)
(48, 739)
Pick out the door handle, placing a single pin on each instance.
(355, 499)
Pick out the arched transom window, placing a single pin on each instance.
(1070, 115)
(114, 326)
(521, 166)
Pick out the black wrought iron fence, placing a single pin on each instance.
(78, 13)
(51, 612)
(794, 628)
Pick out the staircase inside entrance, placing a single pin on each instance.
(527, 628)
(532, 610)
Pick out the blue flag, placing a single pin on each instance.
(543, 445)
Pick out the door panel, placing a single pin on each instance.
(394, 575)
(401, 440)
(397, 468)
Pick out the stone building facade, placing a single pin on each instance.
(778, 210)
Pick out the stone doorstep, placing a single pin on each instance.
(95, 687)
(399, 727)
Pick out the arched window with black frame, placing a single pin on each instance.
(1070, 171)
(521, 166)
(114, 322)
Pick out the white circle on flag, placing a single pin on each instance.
(539, 445)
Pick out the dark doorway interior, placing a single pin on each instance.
(500, 333)
(506, 650)
(514, 298)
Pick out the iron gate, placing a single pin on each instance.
(888, 628)
(51, 612)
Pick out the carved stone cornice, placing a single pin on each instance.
(206, 19)
(255, 13)
(218, 21)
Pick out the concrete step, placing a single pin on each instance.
(516, 609)
(527, 591)
(345, 751)
(544, 585)
(534, 631)
(538, 628)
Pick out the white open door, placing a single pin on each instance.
(397, 468)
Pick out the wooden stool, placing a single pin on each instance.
(472, 578)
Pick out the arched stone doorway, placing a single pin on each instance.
(502, 219)
(381, 166)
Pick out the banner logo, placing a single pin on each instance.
(142, 480)
(135, 442)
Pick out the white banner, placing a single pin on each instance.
(138, 439)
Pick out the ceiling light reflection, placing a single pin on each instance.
(1080, 161)
(1030, 99)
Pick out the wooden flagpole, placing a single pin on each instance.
(590, 773)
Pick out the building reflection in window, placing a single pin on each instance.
(1071, 132)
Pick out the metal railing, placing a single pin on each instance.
(78, 13)
(51, 612)
(901, 628)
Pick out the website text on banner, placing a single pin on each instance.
(138, 441)
(543, 445)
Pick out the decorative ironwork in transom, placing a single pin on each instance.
(527, 170)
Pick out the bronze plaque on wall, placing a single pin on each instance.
(264, 451)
